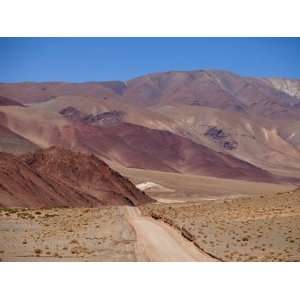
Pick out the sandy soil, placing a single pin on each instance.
(160, 242)
(264, 228)
(97, 234)
(261, 228)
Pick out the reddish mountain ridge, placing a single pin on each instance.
(57, 177)
(32, 92)
(22, 186)
(180, 154)
(208, 88)
(252, 119)
(109, 136)
(140, 147)
(86, 172)
(215, 89)
(7, 102)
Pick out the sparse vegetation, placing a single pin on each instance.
(25, 215)
(249, 229)
(37, 251)
(87, 234)
(245, 229)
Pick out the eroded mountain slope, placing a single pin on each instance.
(58, 177)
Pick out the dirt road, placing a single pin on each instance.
(157, 241)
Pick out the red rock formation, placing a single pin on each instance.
(61, 178)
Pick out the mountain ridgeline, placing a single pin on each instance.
(208, 123)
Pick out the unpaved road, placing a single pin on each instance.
(157, 241)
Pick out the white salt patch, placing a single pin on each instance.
(147, 185)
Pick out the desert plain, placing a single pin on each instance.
(252, 228)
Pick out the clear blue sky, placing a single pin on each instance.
(100, 59)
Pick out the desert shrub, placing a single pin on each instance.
(37, 251)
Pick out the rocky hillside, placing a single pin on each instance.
(206, 88)
(204, 122)
(61, 178)
(290, 87)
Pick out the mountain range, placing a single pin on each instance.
(204, 122)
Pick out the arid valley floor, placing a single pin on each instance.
(238, 229)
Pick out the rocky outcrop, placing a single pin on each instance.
(107, 118)
(288, 86)
(72, 113)
(220, 137)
